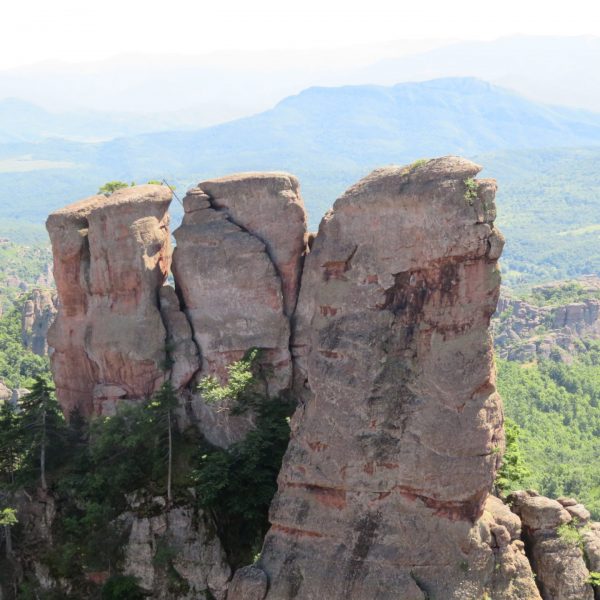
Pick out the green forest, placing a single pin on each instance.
(557, 408)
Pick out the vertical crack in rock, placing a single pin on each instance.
(237, 266)
(399, 415)
(111, 256)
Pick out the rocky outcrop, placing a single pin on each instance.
(111, 257)
(377, 327)
(237, 267)
(554, 541)
(37, 315)
(395, 445)
(523, 330)
(176, 553)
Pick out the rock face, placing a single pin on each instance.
(111, 256)
(237, 267)
(380, 334)
(557, 560)
(38, 314)
(394, 447)
(524, 331)
(198, 567)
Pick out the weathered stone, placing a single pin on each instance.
(248, 583)
(183, 356)
(538, 512)
(579, 512)
(394, 445)
(560, 569)
(236, 266)
(567, 501)
(111, 256)
(270, 207)
(198, 558)
(37, 316)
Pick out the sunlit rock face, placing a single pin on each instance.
(111, 256)
(237, 269)
(398, 435)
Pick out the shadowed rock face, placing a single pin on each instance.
(237, 268)
(111, 256)
(395, 444)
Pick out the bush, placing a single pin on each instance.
(122, 587)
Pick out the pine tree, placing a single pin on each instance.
(10, 442)
(163, 403)
(41, 423)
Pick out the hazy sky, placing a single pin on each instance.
(75, 30)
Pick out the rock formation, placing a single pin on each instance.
(199, 563)
(380, 334)
(37, 316)
(558, 553)
(396, 442)
(111, 256)
(524, 331)
(237, 268)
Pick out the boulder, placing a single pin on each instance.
(248, 583)
(539, 512)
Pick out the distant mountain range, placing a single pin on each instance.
(330, 137)
(22, 121)
(214, 88)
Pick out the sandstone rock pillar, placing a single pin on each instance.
(111, 257)
(399, 431)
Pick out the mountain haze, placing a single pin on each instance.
(329, 137)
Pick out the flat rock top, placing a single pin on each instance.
(421, 172)
(139, 194)
(276, 180)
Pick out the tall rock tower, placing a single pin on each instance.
(399, 430)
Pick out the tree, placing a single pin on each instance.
(10, 446)
(8, 518)
(162, 405)
(112, 186)
(41, 423)
(513, 471)
(240, 378)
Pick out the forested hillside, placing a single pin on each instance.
(557, 407)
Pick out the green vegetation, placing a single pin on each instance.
(594, 578)
(557, 408)
(19, 266)
(513, 472)
(18, 366)
(565, 293)
(94, 470)
(8, 517)
(239, 378)
(238, 484)
(571, 534)
(122, 587)
(471, 190)
(110, 187)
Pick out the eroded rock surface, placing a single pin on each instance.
(37, 316)
(394, 448)
(111, 257)
(236, 266)
(554, 541)
(176, 550)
